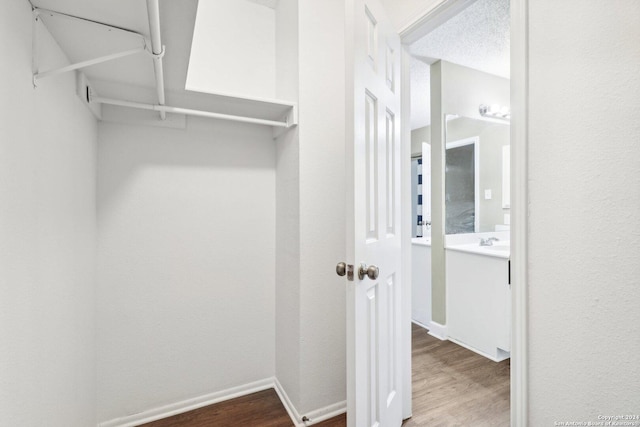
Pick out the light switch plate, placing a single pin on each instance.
(487, 194)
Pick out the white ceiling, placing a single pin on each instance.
(478, 38)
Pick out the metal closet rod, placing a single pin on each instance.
(187, 111)
(157, 49)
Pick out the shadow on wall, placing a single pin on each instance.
(127, 154)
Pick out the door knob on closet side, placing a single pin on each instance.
(370, 271)
(341, 268)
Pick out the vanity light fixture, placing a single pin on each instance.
(495, 111)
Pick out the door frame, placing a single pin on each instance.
(519, 95)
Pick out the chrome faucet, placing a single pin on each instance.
(488, 241)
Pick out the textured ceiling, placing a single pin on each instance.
(478, 38)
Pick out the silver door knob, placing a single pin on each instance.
(345, 269)
(370, 271)
(341, 268)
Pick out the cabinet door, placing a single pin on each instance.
(503, 296)
(478, 304)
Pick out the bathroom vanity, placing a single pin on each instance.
(479, 298)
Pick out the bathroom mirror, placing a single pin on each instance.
(474, 184)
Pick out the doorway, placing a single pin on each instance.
(421, 62)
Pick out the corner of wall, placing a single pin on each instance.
(288, 339)
(287, 285)
(47, 249)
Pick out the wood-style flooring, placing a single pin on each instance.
(452, 386)
(261, 409)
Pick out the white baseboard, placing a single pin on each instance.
(502, 355)
(437, 330)
(312, 417)
(189, 404)
(159, 413)
(291, 409)
(325, 413)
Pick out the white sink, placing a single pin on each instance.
(500, 249)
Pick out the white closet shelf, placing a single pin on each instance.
(278, 114)
(263, 108)
(287, 122)
(269, 112)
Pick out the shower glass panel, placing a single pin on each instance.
(476, 176)
(460, 187)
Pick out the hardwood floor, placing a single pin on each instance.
(339, 421)
(263, 408)
(452, 386)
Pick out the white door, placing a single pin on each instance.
(373, 217)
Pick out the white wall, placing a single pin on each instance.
(47, 237)
(186, 262)
(418, 136)
(464, 89)
(233, 49)
(322, 203)
(584, 161)
(310, 297)
(288, 342)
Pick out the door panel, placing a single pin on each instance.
(390, 172)
(371, 143)
(373, 173)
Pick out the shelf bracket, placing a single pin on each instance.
(37, 75)
(291, 120)
(84, 64)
